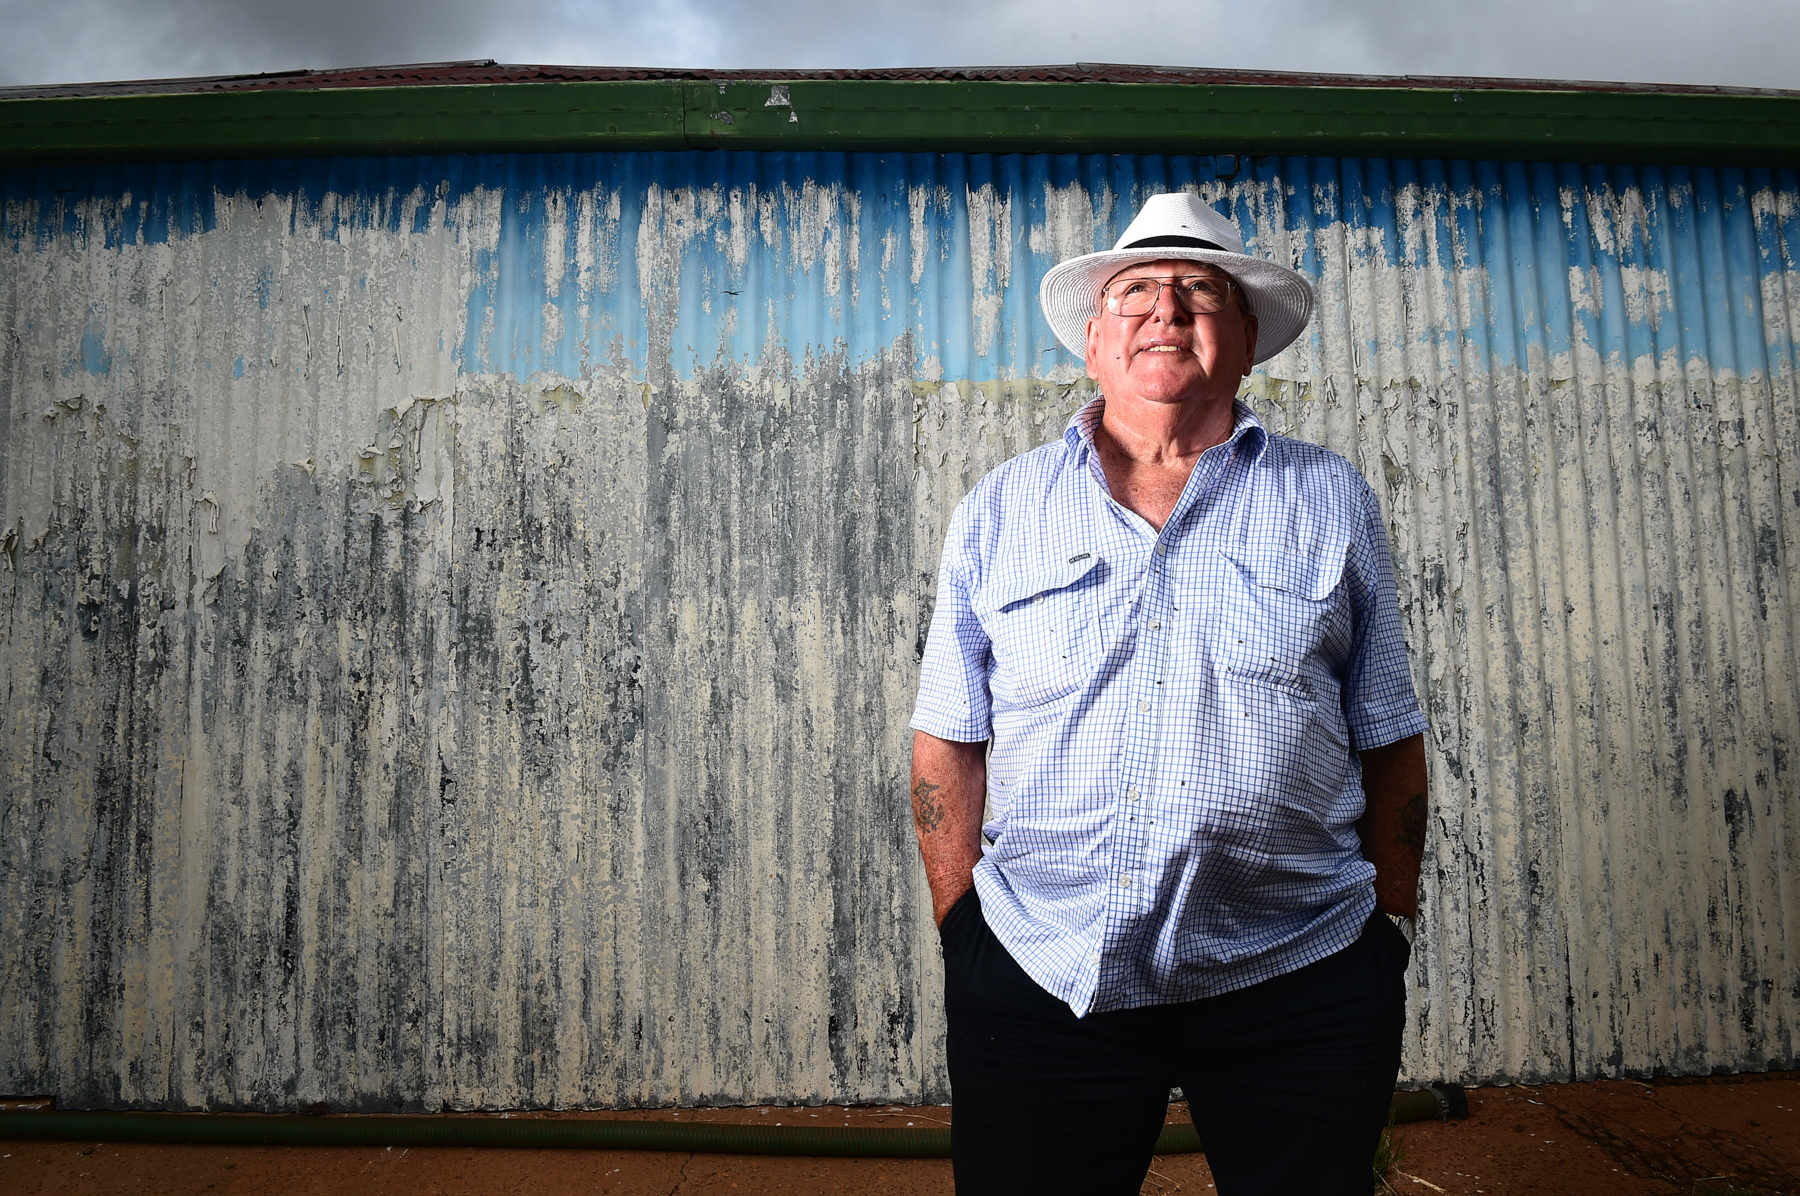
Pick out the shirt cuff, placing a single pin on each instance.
(1389, 730)
(950, 729)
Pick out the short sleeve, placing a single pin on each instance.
(1380, 704)
(953, 701)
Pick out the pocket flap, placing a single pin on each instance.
(1311, 579)
(1001, 594)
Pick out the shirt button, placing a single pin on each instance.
(1162, 550)
(1143, 705)
(1155, 626)
(1132, 794)
(1039, 598)
(1125, 882)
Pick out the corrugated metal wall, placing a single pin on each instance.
(461, 615)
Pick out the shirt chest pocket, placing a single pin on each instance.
(1042, 626)
(1280, 620)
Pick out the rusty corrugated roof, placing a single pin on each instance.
(487, 71)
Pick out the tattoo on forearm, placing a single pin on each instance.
(928, 807)
(1413, 822)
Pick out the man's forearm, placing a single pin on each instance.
(949, 789)
(1393, 823)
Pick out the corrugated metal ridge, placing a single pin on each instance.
(486, 70)
(462, 615)
(965, 115)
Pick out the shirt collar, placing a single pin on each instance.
(1245, 427)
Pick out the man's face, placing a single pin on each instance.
(1169, 354)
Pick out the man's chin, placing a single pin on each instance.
(1183, 390)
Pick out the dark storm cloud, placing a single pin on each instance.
(111, 39)
(1739, 42)
(1733, 42)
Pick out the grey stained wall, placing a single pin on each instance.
(458, 617)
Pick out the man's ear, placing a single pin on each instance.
(1093, 346)
(1249, 343)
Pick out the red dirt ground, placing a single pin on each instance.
(1725, 1134)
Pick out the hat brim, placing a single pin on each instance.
(1281, 299)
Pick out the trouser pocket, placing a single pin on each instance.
(958, 914)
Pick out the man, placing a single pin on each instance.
(1180, 637)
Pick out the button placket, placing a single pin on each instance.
(1133, 887)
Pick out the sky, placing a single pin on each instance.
(1745, 43)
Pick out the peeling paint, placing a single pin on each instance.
(460, 616)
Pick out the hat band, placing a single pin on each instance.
(1175, 242)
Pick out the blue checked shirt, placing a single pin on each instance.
(1175, 717)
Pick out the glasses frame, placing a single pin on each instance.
(1114, 303)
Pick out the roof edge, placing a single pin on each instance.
(487, 70)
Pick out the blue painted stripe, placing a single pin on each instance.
(791, 255)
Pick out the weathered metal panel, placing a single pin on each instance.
(460, 615)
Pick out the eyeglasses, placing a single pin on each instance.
(1200, 294)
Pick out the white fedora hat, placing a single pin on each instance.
(1179, 225)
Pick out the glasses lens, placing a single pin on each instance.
(1201, 294)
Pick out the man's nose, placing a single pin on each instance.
(1168, 308)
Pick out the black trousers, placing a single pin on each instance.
(1288, 1081)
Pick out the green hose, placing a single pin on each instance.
(231, 1129)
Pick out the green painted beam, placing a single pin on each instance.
(998, 116)
(477, 118)
(1588, 126)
